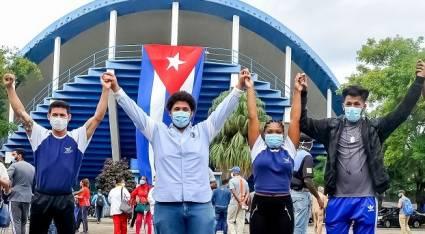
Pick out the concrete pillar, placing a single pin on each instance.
(329, 104)
(235, 48)
(56, 64)
(288, 81)
(174, 23)
(112, 104)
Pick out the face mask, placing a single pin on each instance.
(400, 195)
(142, 181)
(58, 124)
(353, 114)
(181, 118)
(273, 140)
(13, 160)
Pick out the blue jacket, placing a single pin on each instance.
(221, 197)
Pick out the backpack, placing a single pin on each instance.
(100, 201)
(407, 207)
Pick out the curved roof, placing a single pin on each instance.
(251, 18)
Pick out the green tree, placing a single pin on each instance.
(230, 146)
(113, 170)
(387, 68)
(319, 171)
(11, 61)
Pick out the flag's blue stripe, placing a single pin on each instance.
(143, 100)
(199, 71)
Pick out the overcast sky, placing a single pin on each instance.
(335, 29)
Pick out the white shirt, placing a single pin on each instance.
(151, 200)
(114, 199)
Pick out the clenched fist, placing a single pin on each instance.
(300, 82)
(9, 80)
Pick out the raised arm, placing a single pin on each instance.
(294, 125)
(391, 121)
(17, 106)
(253, 122)
(317, 129)
(102, 106)
(218, 117)
(140, 119)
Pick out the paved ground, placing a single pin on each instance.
(106, 227)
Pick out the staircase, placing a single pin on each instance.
(83, 95)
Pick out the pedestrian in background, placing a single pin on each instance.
(220, 200)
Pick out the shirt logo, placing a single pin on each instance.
(68, 150)
(370, 208)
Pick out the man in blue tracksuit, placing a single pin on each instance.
(220, 200)
(355, 170)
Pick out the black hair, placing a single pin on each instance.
(181, 96)
(59, 104)
(355, 91)
(225, 181)
(305, 137)
(274, 121)
(20, 151)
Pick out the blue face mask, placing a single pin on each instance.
(273, 140)
(180, 118)
(353, 114)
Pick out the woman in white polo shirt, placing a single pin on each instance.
(272, 162)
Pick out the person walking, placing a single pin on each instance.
(302, 185)
(99, 202)
(272, 157)
(139, 199)
(238, 204)
(21, 175)
(58, 154)
(220, 200)
(116, 196)
(406, 210)
(181, 151)
(318, 211)
(83, 197)
(355, 169)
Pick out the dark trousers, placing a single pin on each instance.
(45, 207)
(221, 219)
(99, 213)
(272, 215)
(82, 218)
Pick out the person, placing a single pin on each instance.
(21, 176)
(213, 181)
(181, 151)
(220, 200)
(99, 202)
(4, 181)
(272, 162)
(116, 196)
(58, 154)
(302, 185)
(139, 198)
(238, 204)
(83, 197)
(151, 201)
(318, 211)
(402, 216)
(355, 169)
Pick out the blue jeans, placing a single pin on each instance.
(184, 218)
(302, 207)
(221, 219)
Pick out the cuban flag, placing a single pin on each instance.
(165, 70)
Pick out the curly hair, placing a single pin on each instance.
(181, 96)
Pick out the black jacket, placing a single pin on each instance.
(374, 132)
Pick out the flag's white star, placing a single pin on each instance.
(174, 62)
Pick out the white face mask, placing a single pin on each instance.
(58, 124)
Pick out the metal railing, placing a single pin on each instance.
(125, 52)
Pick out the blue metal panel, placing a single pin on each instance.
(251, 18)
(83, 95)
